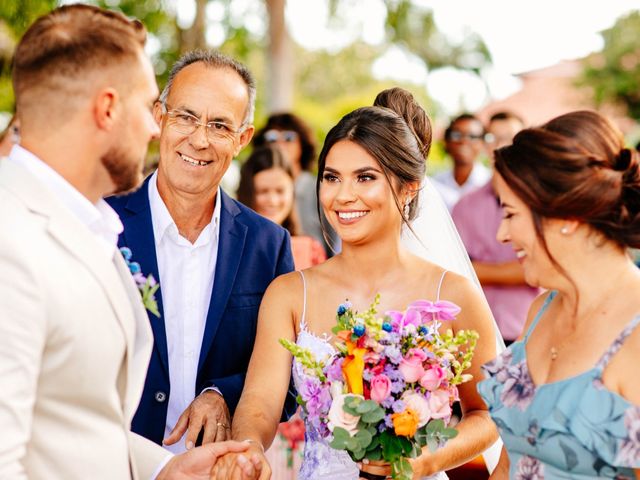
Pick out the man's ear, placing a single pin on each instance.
(157, 112)
(245, 138)
(105, 108)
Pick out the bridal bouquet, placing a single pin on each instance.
(388, 390)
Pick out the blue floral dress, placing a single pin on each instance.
(569, 429)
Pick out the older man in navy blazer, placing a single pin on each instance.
(214, 257)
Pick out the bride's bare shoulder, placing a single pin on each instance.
(292, 283)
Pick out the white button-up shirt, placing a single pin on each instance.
(187, 272)
(100, 218)
(449, 189)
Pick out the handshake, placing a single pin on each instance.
(205, 463)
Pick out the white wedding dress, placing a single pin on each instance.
(321, 462)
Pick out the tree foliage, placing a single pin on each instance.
(614, 73)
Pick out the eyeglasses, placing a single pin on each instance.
(456, 136)
(186, 123)
(288, 136)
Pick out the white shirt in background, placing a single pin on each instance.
(449, 189)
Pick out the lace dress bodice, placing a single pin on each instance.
(320, 461)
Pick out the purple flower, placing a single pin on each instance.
(630, 447)
(393, 353)
(317, 397)
(529, 468)
(499, 366)
(398, 406)
(388, 422)
(398, 386)
(518, 388)
(387, 403)
(334, 371)
(140, 279)
(440, 310)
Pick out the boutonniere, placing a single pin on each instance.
(147, 285)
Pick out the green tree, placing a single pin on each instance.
(15, 18)
(614, 73)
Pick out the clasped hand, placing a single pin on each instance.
(197, 463)
(209, 413)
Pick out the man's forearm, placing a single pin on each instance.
(505, 273)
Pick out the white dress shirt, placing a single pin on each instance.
(100, 218)
(449, 189)
(187, 272)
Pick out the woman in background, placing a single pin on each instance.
(267, 186)
(294, 137)
(565, 396)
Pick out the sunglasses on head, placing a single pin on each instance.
(287, 136)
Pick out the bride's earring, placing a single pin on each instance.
(406, 210)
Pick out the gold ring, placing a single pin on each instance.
(222, 425)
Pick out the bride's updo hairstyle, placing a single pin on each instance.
(576, 167)
(399, 147)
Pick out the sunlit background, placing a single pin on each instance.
(329, 56)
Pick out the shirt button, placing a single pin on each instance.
(160, 397)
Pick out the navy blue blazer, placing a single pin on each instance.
(252, 251)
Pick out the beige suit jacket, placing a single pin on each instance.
(75, 343)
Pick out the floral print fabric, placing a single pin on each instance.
(570, 429)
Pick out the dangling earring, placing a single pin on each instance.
(406, 210)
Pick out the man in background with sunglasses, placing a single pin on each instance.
(214, 257)
(464, 142)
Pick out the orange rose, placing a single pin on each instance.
(405, 423)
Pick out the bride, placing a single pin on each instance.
(370, 172)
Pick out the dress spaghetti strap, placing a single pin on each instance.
(440, 285)
(546, 303)
(617, 343)
(303, 322)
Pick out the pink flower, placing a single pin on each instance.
(432, 378)
(411, 365)
(380, 388)
(440, 310)
(403, 319)
(418, 404)
(439, 404)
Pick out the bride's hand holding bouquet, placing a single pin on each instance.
(388, 390)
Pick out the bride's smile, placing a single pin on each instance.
(355, 194)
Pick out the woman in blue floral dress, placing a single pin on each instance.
(566, 396)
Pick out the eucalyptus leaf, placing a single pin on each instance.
(374, 416)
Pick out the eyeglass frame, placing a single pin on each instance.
(452, 134)
(287, 136)
(207, 125)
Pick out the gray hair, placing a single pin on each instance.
(215, 59)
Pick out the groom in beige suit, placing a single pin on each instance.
(75, 341)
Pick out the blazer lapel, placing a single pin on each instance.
(230, 246)
(138, 357)
(138, 236)
(77, 239)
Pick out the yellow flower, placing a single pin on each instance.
(353, 367)
(405, 423)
